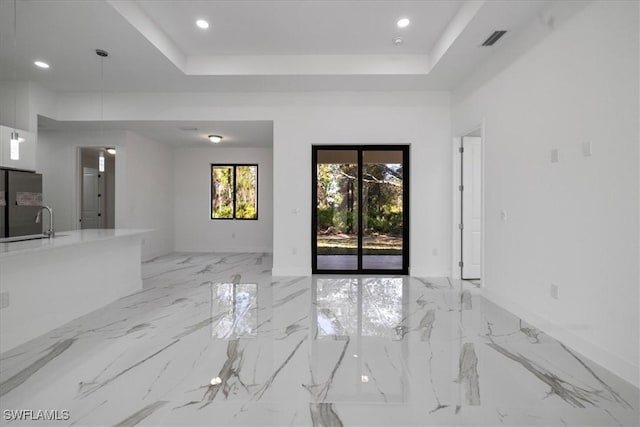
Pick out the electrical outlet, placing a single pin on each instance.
(4, 299)
(434, 252)
(233, 235)
(586, 149)
(554, 291)
(294, 251)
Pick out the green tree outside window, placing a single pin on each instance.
(234, 191)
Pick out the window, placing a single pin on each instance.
(234, 191)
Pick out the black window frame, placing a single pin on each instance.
(361, 148)
(212, 190)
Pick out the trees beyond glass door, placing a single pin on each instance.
(337, 210)
(360, 198)
(382, 210)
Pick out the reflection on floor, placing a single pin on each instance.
(350, 262)
(213, 339)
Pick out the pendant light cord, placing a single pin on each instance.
(101, 89)
(15, 68)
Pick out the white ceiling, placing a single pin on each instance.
(252, 46)
(264, 45)
(301, 27)
(255, 133)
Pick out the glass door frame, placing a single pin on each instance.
(404, 148)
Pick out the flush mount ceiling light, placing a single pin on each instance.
(41, 64)
(403, 22)
(201, 23)
(215, 138)
(111, 151)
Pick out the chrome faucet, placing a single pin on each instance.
(50, 232)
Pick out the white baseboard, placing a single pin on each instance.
(302, 271)
(425, 272)
(287, 272)
(626, 370)
(248, 250)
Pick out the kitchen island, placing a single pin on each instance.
(45, 283)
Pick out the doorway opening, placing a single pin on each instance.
(96, 178)
(360, 209)
(470, 199)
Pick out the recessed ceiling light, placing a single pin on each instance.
(215, 138)
(403, 23)
(202, 24)
(41, 64)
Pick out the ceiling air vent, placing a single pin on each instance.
(187, 128)
(493, 38)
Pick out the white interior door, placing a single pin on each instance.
(90, 199)
(471, 207)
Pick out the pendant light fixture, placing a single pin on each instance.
(14, 153)
(102, 54)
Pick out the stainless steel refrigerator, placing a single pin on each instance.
(20, 199)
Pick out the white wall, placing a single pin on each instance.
(572, 223)
(57, 160)
(23, 101)
(147, 173)
(14, 105)
(20, 104)
(386, 120)
(194, 229)
(421, 119)
(144, 181)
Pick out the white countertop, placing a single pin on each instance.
(66, 238)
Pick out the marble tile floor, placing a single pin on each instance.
(214, 339)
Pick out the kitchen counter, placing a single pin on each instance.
(45, 283)
(62, 239)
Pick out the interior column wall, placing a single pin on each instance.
(147, 173)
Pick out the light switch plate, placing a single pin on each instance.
(555, 156)
(586, 149)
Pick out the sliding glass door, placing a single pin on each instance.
(382, 210)
(360, 209)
